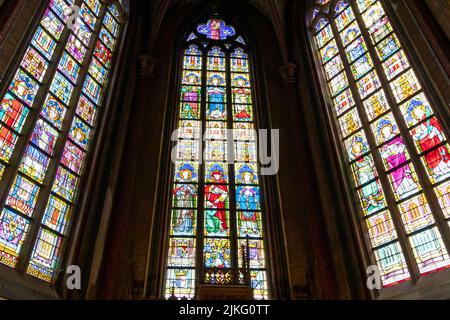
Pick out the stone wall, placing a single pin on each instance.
(441, 11)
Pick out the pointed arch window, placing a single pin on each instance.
(395, 144)
(48, 116)
(216, 203)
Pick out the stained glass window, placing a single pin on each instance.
(216, 206)
(47, 162)
(396, 147)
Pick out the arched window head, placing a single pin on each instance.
(216, 217)
(48, 116)
(394, 143)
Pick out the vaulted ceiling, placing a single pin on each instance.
(274, 10)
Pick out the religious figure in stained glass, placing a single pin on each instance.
(80, 133)
(183, 222)
(363, 166)
(216, 97)
(185, 195)
(429, 135)
(216, 221)
(216, 196)
(394, 153)
(247, 198)
(53, 111)
(44, 137)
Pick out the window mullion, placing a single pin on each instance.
(234, 248)
(200, 269)
(420, 170)
(59, 148)
(392, 205)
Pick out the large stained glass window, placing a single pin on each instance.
(216, 214)
(397, 149)
(48, 116)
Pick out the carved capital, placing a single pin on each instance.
(147, 65)
(287, 73)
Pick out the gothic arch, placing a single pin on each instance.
(195, 14)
